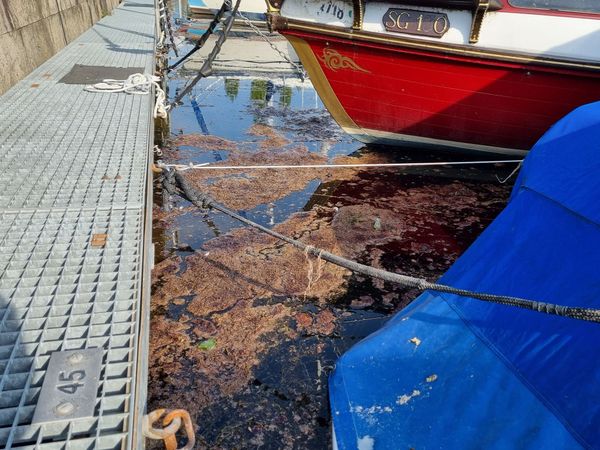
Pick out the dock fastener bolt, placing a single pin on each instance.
(75, 358)
(64, 408)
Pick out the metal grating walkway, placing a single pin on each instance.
(74, 166)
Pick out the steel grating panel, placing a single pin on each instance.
(59, 292)
(79, 148)
(59, 163)
(75, 167)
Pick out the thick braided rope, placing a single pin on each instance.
(203, 201)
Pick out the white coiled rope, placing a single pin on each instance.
(136, 84)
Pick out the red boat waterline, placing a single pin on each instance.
(386, 93)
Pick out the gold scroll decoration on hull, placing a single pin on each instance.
(321, 84)
(334, 60)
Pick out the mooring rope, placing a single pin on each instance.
(208, 166)
(161, 13)
(203, 201)
(170, 28)
(135, 84)
(206, 69)
(209, 31)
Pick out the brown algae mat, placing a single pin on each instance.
(245, 329)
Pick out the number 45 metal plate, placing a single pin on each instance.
(70, 386)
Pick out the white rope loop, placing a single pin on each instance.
(135, 84)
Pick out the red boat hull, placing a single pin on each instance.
(386, 93)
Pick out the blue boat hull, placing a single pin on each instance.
(449, 372)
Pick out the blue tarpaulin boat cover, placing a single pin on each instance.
(487, 376)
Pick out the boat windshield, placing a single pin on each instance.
(592, 6)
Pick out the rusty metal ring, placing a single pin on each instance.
(160, 433)
(182, 414)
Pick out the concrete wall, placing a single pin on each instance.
(31, 31)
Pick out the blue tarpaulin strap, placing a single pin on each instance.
(486, 375)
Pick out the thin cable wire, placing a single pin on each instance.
(207, 166)
(297, 67)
